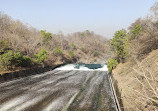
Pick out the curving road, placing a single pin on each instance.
(58, 90)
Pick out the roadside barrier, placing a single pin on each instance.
(116, 93)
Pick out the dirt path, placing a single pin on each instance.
(58, 90)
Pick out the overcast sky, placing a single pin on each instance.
(101, 16)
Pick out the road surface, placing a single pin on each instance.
(59, 90)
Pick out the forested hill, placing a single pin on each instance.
(135, 64)
(24, 46)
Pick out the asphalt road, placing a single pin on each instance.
(58, 90)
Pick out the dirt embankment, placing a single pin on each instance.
(138, 83)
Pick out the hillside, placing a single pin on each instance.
(135, 64)
(23, 46)
(137, 83)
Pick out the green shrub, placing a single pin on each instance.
(112, 63)
(3, 46)
(57, 52)
(96, 53)
(14, 59)
(26, 61)
(41, 56)
(119, 43)
(73, 46)
(82, 34)
(135, 32)
(46, 36)
(5, 59)
(71, 53)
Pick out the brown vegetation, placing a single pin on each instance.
(138, 83)
(24, 39)
(137, 77)
(146, 41)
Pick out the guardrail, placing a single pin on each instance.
(116, 93)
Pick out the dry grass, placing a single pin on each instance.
(138, 83)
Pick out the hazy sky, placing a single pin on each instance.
(101, 16)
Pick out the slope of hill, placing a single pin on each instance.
(138, 83)
(22, 46)
(135, 65)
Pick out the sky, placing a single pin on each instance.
(104, 17)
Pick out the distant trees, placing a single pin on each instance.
(57, 51)
(154, 10)
(23, 43)
(135, 32)
(19, 36)
(46, 36)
